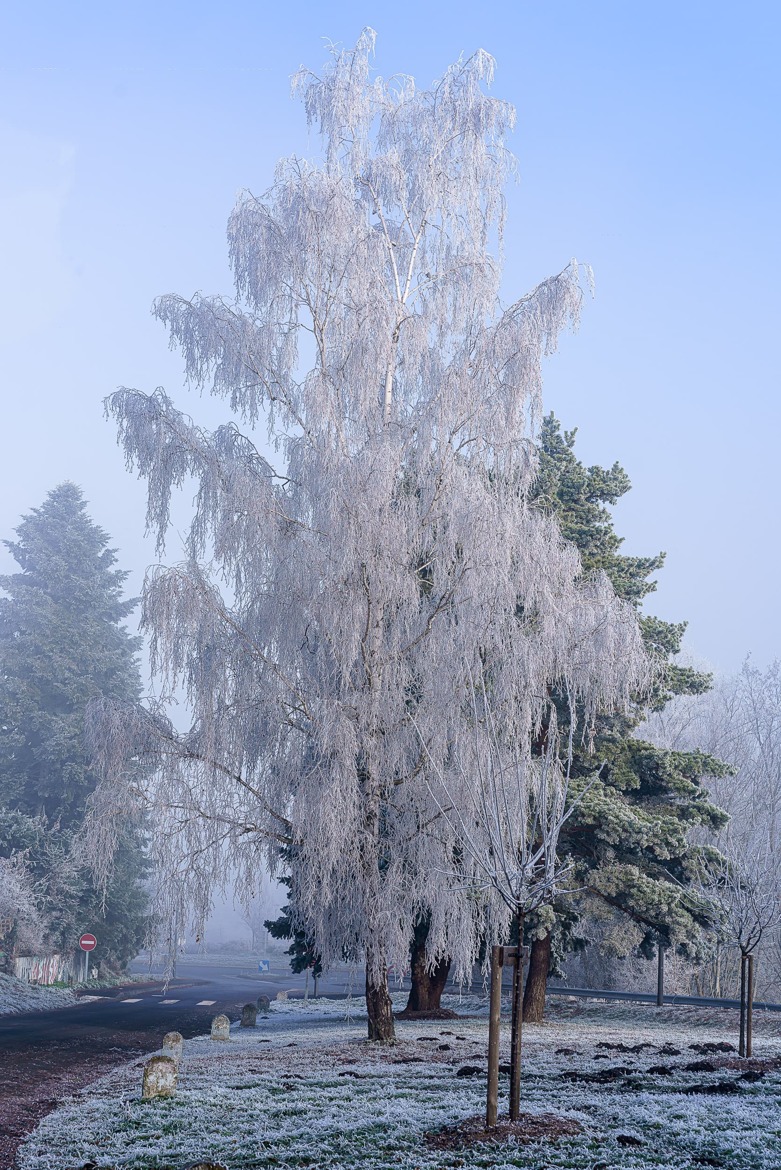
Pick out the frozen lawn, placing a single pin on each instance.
(305, 1089)
(17, 996)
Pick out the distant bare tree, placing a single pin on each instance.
(746, 887)
(739, 721)
(747, 890)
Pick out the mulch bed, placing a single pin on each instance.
(531, 1127)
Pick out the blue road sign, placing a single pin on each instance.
(264, 965)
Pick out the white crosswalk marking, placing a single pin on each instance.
(205, 1002)
(169, 1001)
(130, 1001)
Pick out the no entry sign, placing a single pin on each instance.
(88, 942)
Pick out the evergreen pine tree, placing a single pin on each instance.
(629, 835)
(302, 951)
(63, 642)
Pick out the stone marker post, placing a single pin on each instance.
(159, 1078)
(221, 1028)
(264, 1003)
(173, 1043)
(249, 1014)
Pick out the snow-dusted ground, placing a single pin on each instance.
(305, 1089)
(17, 996)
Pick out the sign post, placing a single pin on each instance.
(87, 942)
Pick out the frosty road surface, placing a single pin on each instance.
(48, 1055)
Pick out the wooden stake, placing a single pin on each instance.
(749, 1003)
(516, 1035)
(741, 1044)
(492, 1103)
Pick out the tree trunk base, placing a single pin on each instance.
(380, 1010)
(426, 986)
(536, 981)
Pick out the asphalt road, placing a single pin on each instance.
(45, 1056)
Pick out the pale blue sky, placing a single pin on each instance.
(648, 146)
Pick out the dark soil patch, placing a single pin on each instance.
(531, 1127)
(712, 1047)
(624, 1047)
(752, 1067)
(758, 1064)
(604, 1077)
(720, 1087)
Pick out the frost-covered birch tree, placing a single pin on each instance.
(333, 609)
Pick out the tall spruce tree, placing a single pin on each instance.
(629, 834)
(62, 643)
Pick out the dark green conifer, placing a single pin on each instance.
(303, 955)
(629, 835)
(63, 642)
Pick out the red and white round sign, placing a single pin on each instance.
(88, 942)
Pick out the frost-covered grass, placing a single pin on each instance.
(304, 1089)
(17, 996)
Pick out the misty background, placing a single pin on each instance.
(646, 148)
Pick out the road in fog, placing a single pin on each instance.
(48, 1055)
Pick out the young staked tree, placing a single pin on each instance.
(392, 557)
(63, 642)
